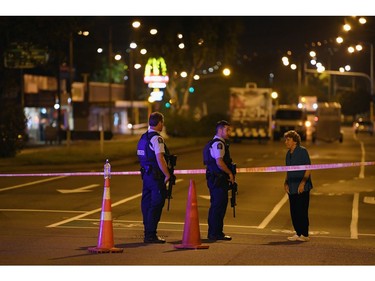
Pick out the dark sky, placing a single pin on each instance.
(263, 36)
(296, 31)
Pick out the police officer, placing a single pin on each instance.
(153, 156)
(219, 176)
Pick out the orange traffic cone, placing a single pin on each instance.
(191, 238)
(105, 241)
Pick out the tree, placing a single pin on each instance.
(208, 42)
(12, 129)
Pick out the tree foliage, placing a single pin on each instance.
(209, 42)
(12, 128)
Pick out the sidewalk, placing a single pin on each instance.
(84, 154)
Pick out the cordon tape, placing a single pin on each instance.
(203, 171)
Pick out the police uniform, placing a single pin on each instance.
(218, 184)
(154, 189)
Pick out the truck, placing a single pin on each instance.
(250, 111)
(289, 117)
(308, 103)
(327, 125)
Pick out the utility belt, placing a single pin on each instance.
(150, 170)
(217, 179)
(220, 179)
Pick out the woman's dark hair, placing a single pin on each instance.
(294, 136)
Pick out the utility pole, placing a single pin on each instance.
(360, 74)
(110, 78)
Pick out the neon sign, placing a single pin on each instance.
(156, 71)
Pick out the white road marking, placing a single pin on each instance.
(354, 223)
(362, 168)
(273, 213)
(95, 211)
(40, 211)
(369, 200)
(363, 154)
(78, 190)
(30, 183)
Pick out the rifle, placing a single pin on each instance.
(172, 181)
(233, 203)
(234, 188)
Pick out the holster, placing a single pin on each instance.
(149, 170)
(217, 180)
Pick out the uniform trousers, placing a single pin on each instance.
(299, 211)
(153, 199)
(216, 213)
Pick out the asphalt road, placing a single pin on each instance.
(54, 220)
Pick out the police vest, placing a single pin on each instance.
(210, 162)
(146, 156)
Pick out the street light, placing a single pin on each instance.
(274, 96)
(359, 48)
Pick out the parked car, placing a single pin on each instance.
(363, 126)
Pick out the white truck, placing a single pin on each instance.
(250, 110)
(289, 117)
(327, 126)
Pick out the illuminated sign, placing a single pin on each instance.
(156, 79)
(22, 55)
(157, 85)
(155, 96)
(156, 71)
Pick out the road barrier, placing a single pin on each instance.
(203, 171)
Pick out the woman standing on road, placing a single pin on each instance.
(298, 185)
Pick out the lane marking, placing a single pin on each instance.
(363, 154)
(369, 200)
(40, 211)
(94, 211)
(273, 213)
(354, 222)
(78, 190)
(31, 183)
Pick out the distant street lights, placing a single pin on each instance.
(359, 48)
(226, 72)
(274, 96)
(344, 71)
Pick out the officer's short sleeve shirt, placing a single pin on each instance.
(157, 143)
(217, 149)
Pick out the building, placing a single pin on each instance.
(88, 108)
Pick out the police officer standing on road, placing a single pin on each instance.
(219, 176)
(153, 157)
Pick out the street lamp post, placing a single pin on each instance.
(109, 79)
(131, 90)
(360, 74)
(372, 82)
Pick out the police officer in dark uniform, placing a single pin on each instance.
(153, 156)
(219, 176)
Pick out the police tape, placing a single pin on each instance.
(203, 171)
